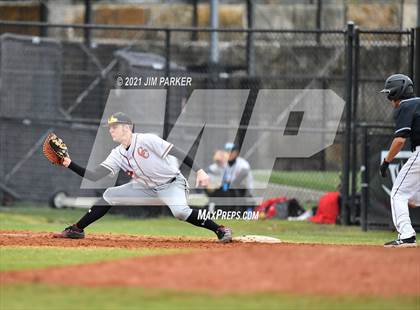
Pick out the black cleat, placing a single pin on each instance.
(402, 243)
(71, 232)
(224, 234)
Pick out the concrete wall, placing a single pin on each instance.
(288, 16)
(26, 11)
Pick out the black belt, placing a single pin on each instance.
(172, 180)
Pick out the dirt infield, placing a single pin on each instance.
(236, 267)
(28, 238)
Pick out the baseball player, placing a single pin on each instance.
(151, 162)
(406, 187)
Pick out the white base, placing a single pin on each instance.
(256, 239)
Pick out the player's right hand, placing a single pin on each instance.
(66, 161)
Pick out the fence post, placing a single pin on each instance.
(417, 61)
(323, 164)
(166, 123)
(318, 20)
(88, 20)
(250, 50)
(43, 17)
(411, 55)
(365, 179)
(194, 34)
(354, 170)
(417, 53)
(347, 132)
(214, 35)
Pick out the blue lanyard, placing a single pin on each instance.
(225, 183)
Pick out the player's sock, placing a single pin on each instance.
(95, 213)
(209, 224)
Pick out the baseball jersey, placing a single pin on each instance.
(407, 120)
(232, 172)
(146, 160)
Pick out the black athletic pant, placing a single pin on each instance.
(95, 213)
(102, 207)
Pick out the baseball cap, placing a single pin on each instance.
(230, 146)
(118, 118)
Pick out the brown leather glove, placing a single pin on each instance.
(55, 149)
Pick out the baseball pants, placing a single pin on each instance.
(406, 187)
(173, 194)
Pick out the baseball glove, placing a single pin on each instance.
(55, 149)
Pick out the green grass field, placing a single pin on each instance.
(39, 296)
(325, 181)
(317, 180)
(48, 297)
(46, 219)
(13, 258)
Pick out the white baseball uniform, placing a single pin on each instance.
(155, 175)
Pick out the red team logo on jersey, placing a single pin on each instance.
(143, 152)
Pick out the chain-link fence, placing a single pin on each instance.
(60, 82)
(375, 190)
(79, 88)
(378, 54)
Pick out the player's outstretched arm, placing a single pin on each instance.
(94, 175)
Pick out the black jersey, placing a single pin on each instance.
(407, 121)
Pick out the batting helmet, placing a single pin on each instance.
(398, 86)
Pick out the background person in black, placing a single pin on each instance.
(400, 92)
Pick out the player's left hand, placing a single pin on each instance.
(202, 179)
(384, 168)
